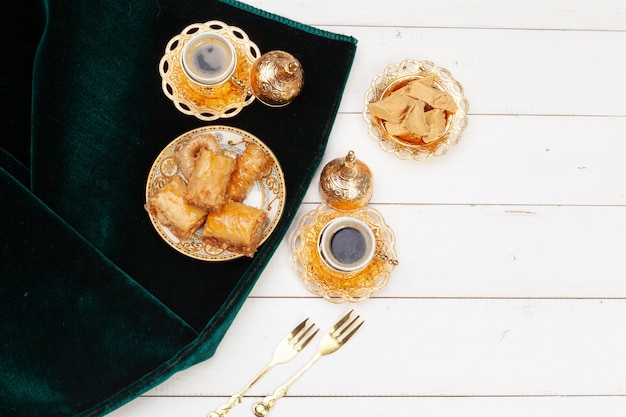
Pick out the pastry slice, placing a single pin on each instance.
(397, 129)
(436, 119)
(436, 98)
(251, 165)
(209, 179)
(415, 121)
(237, 227)
(392, 108)
(168, 205)
(187, 155)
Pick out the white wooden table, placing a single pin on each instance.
(510, 296)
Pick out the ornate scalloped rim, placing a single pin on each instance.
(246, 50)
(334, 286)
(409, 69)
(272, 188)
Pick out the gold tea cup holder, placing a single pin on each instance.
(332, 285)
(275, 78)
(343, 181)
(209, 103)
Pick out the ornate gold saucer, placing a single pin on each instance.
(333, 285)
(268, 193)
(394, 76)
(346, 186)
(209, 102)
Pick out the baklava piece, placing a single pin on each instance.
(251, 165)
(187, 155)
(168, 205)
(237, 227)
(209, 179)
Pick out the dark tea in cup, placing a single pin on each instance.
(346, 244)
(208, 58)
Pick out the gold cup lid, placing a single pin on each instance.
(276, 78)
(346, 183)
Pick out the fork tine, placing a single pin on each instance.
(347, 337)
(347, 326)
(302, 334)
(297, 329)
(341, 322)
(307, 341)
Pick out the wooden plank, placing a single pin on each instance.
(389, 406)
(504, 71)
(535, 14)
(500, 160)
(452, 347)
(488, 251)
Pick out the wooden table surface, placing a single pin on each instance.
(510, 295)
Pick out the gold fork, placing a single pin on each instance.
(336, 337)
(286, 350)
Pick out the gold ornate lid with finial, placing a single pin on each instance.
(276, 78)
(346, 183)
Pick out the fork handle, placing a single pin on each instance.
(266, 404)
(263, 407)
(224, 409)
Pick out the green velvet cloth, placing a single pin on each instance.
(95, 307)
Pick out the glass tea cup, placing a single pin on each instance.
(346, 244)
(208, 59)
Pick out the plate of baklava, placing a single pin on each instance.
(215, 193)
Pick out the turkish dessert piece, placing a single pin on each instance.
(209, 180)
(392, 108)
(168, 205)
(251, 165)
(423, 89)
(415, 112)
(236, 227)
(187, 155)
(436, 121)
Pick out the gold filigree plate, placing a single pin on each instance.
(209, 102)
(332, 285)
(267, 194)
(397, 74)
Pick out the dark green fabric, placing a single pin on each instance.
(95, 307)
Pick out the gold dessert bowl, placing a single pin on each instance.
(411, 146)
